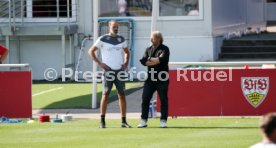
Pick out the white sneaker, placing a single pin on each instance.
(163, 123)
(143, 124)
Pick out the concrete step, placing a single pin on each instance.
(246, 59)
(254, 46)
(248, 55)
(249, 42)
(257, 37)
(247, 49)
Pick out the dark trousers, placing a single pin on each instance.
(148, 91)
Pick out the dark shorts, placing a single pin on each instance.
(117, 77)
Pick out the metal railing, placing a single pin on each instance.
(219, 64)
(27, 66)
(17, 12)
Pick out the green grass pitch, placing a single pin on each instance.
(182, 133)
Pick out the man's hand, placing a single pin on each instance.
(150, 63)
(153, 62)
(124, 66)
(104, 66)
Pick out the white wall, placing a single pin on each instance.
(225, 12)
(41, 57)
(85, 17)
(235, 15)
(107, 7)
(256, 12)
(40, 52)
(271, 11)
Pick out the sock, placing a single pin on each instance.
(124, 120)
(103, 118)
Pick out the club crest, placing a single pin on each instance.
(255, 89)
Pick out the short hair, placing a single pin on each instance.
(268, 123)
(158, 34)
(112, 21)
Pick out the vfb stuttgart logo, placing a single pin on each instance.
(255, 89)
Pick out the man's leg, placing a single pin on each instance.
(162, 89)
(120, 86)
(108, 87)
(103, 110)
(148, 90)
(122, 104)
(104, 104)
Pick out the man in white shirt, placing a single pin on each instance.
(114, 63)
(268, 130)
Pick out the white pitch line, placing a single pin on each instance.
(47, 91)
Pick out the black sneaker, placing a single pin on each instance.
(102, 125)
(125, 125)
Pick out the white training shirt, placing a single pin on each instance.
(111, 50)
(264, 145)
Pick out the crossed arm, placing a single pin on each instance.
(153, 61)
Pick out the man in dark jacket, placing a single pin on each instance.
(156, 58)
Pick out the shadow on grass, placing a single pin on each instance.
(181, 127)
(207, 127)
(84, 102)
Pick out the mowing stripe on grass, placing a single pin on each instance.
(47, 91)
